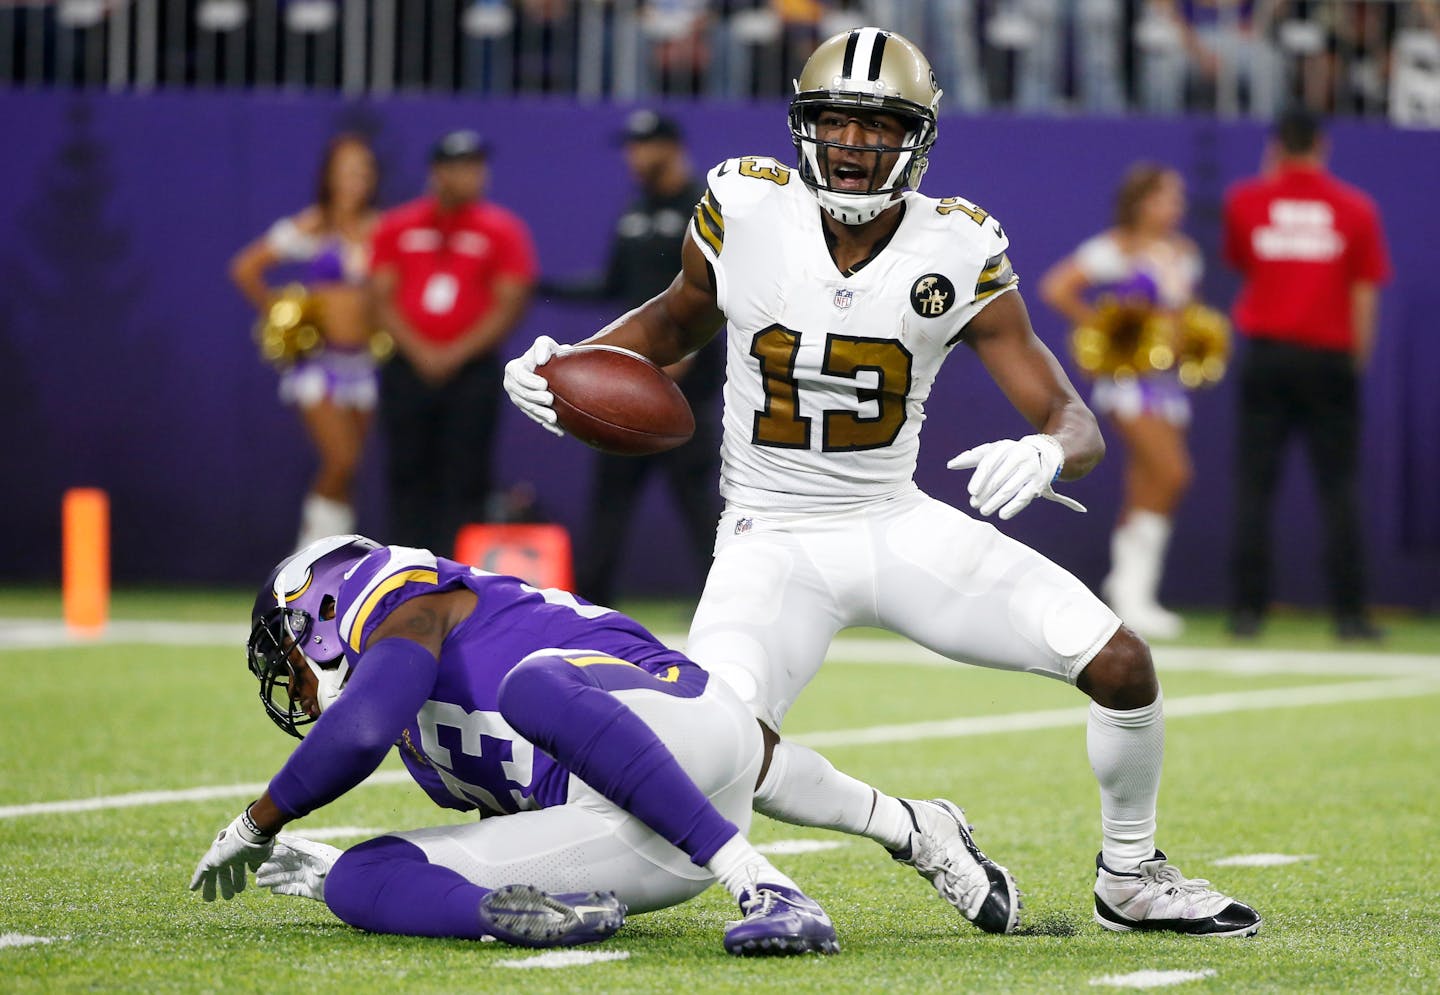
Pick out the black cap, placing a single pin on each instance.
(459, 146)
(645, 125)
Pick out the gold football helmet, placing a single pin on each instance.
(875, 70)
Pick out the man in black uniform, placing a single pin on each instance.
(644, 258)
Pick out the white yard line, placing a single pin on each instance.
(564, 958)
(25, 940)
(1205, 704)
(1201, 704)
(131, 800)
(785, 848)
(1152, 979)
(30, 634)
(1263, 859)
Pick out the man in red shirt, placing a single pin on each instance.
(1312, 254)
(452, 276)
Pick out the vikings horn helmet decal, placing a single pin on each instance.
(293, 624)
(877, 71)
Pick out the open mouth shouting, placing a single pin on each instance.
(851, 175)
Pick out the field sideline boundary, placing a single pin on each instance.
(39, 634)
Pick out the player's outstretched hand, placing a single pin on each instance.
(1011, 473)
(527, 389)
(298, 866)
(239, 848)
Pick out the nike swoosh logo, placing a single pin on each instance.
(724, 168)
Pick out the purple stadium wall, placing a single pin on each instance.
(126, 362)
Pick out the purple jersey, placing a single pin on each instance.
(459, 748)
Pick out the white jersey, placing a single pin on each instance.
(827, 374)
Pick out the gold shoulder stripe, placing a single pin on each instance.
(985, 290)
(997, 275)
(708, 234)
(712, 215)
(385, 587)
(714, 200)
(994, 262)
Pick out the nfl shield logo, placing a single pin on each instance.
(743, 525)
(843, 298)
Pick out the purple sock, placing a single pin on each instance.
(387, 885)
(565, 711)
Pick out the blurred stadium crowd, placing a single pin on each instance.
(1233, 57)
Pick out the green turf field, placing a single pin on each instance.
(1286, 746)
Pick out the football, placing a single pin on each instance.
(617, 401)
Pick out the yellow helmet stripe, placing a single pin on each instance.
(289, 596)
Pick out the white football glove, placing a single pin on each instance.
(298, 866)
(241, 847)
(527, 389)
(1011, 473)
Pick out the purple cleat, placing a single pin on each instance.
(780, 922)
(525, 916)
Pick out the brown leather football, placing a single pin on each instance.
(616, 401)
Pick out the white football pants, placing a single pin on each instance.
(589, 844)
(782, 586)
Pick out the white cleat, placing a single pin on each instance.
(944, 853)
(1158, 897)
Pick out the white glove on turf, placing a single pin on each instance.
(240, 847)
(527, 389)
(298, 866)
(1011, 473)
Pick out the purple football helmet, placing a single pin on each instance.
(294, 621)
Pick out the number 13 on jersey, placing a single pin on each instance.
(781, 425)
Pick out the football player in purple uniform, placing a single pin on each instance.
(611, 773)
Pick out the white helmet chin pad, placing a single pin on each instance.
(331, 681)
(853, 207)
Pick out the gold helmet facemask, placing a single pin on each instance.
(877, 71)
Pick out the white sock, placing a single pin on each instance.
(804, 789)
(1126, 751)
(1121, 585)
(738, 866)
(1151, 532)
(321, 517)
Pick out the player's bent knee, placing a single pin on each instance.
(527, 694)
(357, 878)
(1122, 674)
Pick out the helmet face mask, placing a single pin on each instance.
(862, 73)
(274, 654)
(293, 625)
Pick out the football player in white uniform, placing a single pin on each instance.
(838, 317)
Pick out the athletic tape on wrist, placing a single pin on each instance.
(252, 828)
